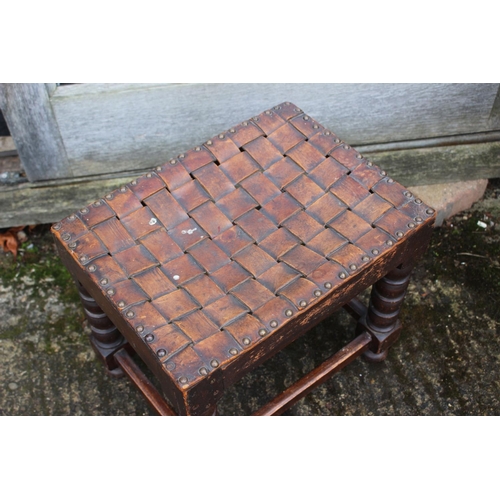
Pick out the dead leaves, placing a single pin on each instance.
(10, 239)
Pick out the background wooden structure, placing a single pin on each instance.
(77, 141)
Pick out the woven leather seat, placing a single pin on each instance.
(216, 260)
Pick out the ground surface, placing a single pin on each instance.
(446, 363)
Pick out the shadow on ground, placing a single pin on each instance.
(446, 363)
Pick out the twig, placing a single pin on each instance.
(472, 255)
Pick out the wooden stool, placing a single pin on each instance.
(218, 259)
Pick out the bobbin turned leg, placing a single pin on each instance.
(105, 337)
(382, 318)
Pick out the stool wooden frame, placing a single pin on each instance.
(217, 260)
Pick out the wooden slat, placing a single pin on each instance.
(43, 202)
(316, 377)
(355, 308)
(437, 165)
(137, 377)
(28, 113)
(119, 127)
(30, 203)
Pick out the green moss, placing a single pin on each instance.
(39, 265)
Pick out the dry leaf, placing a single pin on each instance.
(9, 241)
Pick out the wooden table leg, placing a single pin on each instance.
(105, 337)
(382, 318)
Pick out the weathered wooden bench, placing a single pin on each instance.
(218, 259)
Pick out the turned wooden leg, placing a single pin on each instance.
(382, 318)
(105, 337)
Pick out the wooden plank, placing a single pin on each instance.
(415, 167)
(31, 203)
(113, 128)
(28, 113)
(43, 202)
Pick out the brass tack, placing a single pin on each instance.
(365, 258)
(121, 303)
(245, 123)
(328, 285)
(315, 126)
(358, 156)
(277, 107)
(170, 366)
(342, 276)
(183, 380)
(327, 132)
(110, 292)
(246, 341)
(84, 211)
(72, 217)
(399, 234)
(203, 371)
(408, 194)
(411, 225)
(97, 204)
(288, 312)
(273, 323)
(337, 140)
(390, 181)
(221, 136)
(92, 268)
(233, 351)
(383, 173)
(109, 196)
(306, 118)
(134, 183)
(152, 221)
(262, 332)
(214, 363)
(161, 352)
(140, 329)
(418, 201)
(375, 251)
(84, 258)
(317, 293)
(302, 303)
(346, 146)
(418, 219)
(209, 143)
(370, 164)
(149, 337)
(353, 267)
(123, 189)
(130, 314)
(182, 155)
(104, 281)
(57, 226)
(389, 243)
(66, 237)
(197, 148)
(72, 245)
(268, 112)
(158, 169)
(148, 175)
(298, 110)
(232, 130)
(429, 211)
(173, 162)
